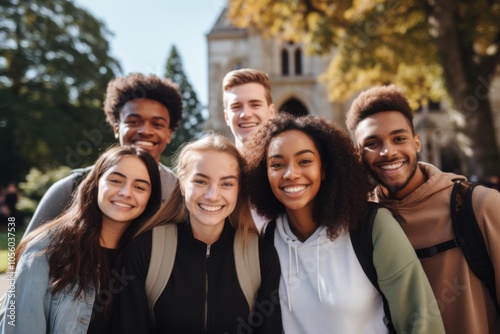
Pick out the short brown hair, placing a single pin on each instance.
(247, 75)
(139, 86)
(375, 100)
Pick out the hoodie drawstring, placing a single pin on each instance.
(317, 270)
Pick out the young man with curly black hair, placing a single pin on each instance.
(418, 195)
(143, 110)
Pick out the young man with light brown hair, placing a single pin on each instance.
(247, 102)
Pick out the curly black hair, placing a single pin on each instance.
(139, 86)
(375, 100)
(342, 197)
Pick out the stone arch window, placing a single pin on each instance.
(294, 106)
(298, 61)
(291, 60)
(285, 63)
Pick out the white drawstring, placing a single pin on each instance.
(317, 270)
(289, 276)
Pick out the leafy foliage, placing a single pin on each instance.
(192, 123)
(54, 68)
(434, 50)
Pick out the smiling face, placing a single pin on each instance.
(145, 123)
(294, 170)
(123, 192)
(245, 108)
(389, 152)
(210, 189)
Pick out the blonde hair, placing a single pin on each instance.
(174, 210)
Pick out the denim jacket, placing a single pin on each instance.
(32, 308)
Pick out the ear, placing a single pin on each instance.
(168, 138)
(323, 174)
(226, 117)
(272, 110)
(418, 144)
(115, 131)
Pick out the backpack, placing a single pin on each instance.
(361, 239)
(164, 248)
(468, 237)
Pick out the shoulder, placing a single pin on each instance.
(485, 200)
(389, 238)
(167, 173)
(267, 252)
(140, 243)
(35, 255)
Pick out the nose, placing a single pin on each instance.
(246, 112)
(212, 192)
(125, 191)
(291, 172)
(145, 128)
(387, 149)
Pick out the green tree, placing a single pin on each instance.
(54, 68)
(446, 49)
(192, 116)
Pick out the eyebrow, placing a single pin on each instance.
(222, 178)
(136, 180)
(296, 154)
(139, 116)
(392, 133)
(235, 103)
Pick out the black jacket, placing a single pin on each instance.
(203, 294)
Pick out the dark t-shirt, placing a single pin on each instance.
(101, 321)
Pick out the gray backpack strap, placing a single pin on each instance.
(247, 265)
(163, 250)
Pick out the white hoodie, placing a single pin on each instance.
(323, 288)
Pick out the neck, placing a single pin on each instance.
(239, 145)
(207, 234)
(301, 223)
(111, 234)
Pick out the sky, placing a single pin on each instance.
(144, 32)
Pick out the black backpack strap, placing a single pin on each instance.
(423, 253)
(268, 230)
(469, 237)
(362, 242)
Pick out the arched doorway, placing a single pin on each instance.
(294, 107)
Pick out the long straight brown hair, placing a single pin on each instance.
(74, 252)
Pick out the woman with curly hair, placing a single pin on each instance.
(305, 175)
(67, 270)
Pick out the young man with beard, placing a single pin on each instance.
(247, 104)
(143, 110)
(418, 194)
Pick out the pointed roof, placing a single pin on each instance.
(224, 28)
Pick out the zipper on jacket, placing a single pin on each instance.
(206, 289)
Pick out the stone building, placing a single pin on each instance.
(295, 88)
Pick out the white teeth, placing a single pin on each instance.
(210, 208)
(295, 189)
(391, 166)
(144, 143)
(123, 205)
(248, 125)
